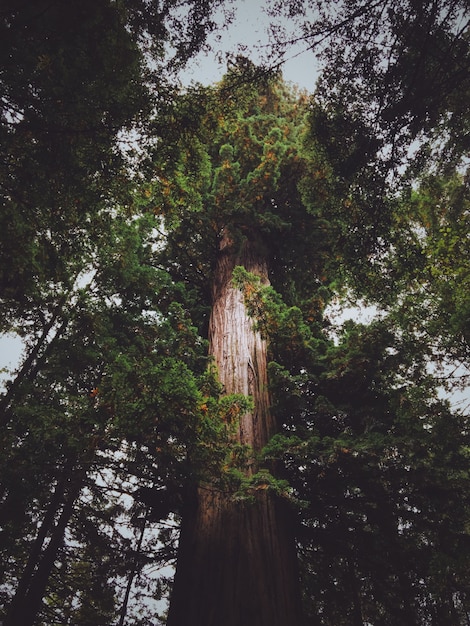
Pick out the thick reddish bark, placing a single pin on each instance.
(237, 563)
(240, 353)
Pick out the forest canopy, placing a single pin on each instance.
(171, 260)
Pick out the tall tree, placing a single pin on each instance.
(236, 561)
(235, 237)
(359, 415)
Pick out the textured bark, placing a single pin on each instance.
(237, 563)
(239, 353)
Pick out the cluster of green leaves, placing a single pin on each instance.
(399, 67)
(234, 168)
(61, 114)
(390, 104)
(376, 464)
(422, 277)
(74, 101)
(378, 467)
(107, 380)
(392, 454)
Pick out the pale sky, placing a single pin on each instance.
(250, 29)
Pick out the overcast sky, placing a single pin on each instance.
(250, 30)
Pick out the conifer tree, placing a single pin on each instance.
(236, 561)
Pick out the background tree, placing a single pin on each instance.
(400, 67)
(78, 80)
(389, 105)
(389, 128)
(70, 95)
(101, 392)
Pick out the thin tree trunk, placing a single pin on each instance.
(355, 587)
(133, 572)
(27, 600)
(236, 562)
(31, 364)
(45, 528)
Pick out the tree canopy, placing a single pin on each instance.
(117, 192)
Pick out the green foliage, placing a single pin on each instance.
(375, 477)
(105, 271)
(69, 92)
(294, 332)
(79, 83)
(116, 378)
(246, 488)
(375, 463)
(236, 169)
(399, 67)
(390, 105)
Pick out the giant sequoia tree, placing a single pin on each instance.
(237, 561)
(358, 424)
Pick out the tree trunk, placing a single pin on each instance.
(25, 607)
(236, 562)
(45, 528)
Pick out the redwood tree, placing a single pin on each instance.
(239, 156)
